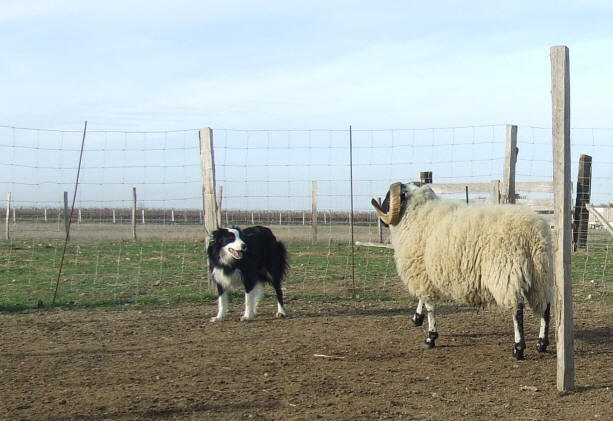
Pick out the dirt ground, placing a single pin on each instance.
(344, 360)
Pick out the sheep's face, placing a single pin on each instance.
(406, 190)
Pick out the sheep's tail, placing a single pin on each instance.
(540, 291)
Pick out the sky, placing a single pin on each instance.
(165, 65)
(291, 68)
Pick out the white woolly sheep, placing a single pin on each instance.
(480, 255)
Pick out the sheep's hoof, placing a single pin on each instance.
(518, 351)
(418, 319)
(542, 344)
(430, 340)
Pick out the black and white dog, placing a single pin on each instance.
(249, 257)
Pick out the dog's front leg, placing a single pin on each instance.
(222, 305)
(252, 298)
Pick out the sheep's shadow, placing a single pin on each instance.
(597, 336)
(403, 310)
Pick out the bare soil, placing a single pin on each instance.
(345, 360)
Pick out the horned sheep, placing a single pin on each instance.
(491, 255)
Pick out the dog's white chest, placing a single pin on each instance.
(233, 279)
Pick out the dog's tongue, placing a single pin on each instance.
(237, 254)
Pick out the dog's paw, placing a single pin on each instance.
(280, 315)
(215, 319)
(246, 318)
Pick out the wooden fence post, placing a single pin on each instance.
(314, 213)
(219, 199)
(66, 216)
(8, 214)
(510, 160)
(560, 93)
(209, 201)
(581, 215)
(425, 177)
(495, 192)
(134, 213)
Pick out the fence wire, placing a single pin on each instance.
(267, 178)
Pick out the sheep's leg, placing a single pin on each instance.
(518, 324)
(418, 317)
(432, 332)
(543, 341)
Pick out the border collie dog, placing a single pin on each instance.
(249, 257)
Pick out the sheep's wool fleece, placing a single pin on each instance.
(481, 255)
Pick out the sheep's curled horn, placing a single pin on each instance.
(393, 215)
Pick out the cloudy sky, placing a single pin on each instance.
(147, 65)
(267, 75)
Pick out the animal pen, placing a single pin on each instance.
(139, 219)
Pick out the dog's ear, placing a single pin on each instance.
(215, 236)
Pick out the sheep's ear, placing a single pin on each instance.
(421, 196)
(427, 192)
(412, 187)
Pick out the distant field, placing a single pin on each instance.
(178, 232)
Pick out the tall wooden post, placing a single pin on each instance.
(314, 213)
(560, 93)
(207, 164)
(134, 213)
(581, 215)
(510, 159)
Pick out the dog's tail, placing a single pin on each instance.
(283, 259)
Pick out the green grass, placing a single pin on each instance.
(112, 273)
(101, 274)
(592, 270)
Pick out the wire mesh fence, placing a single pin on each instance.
(269, 178)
